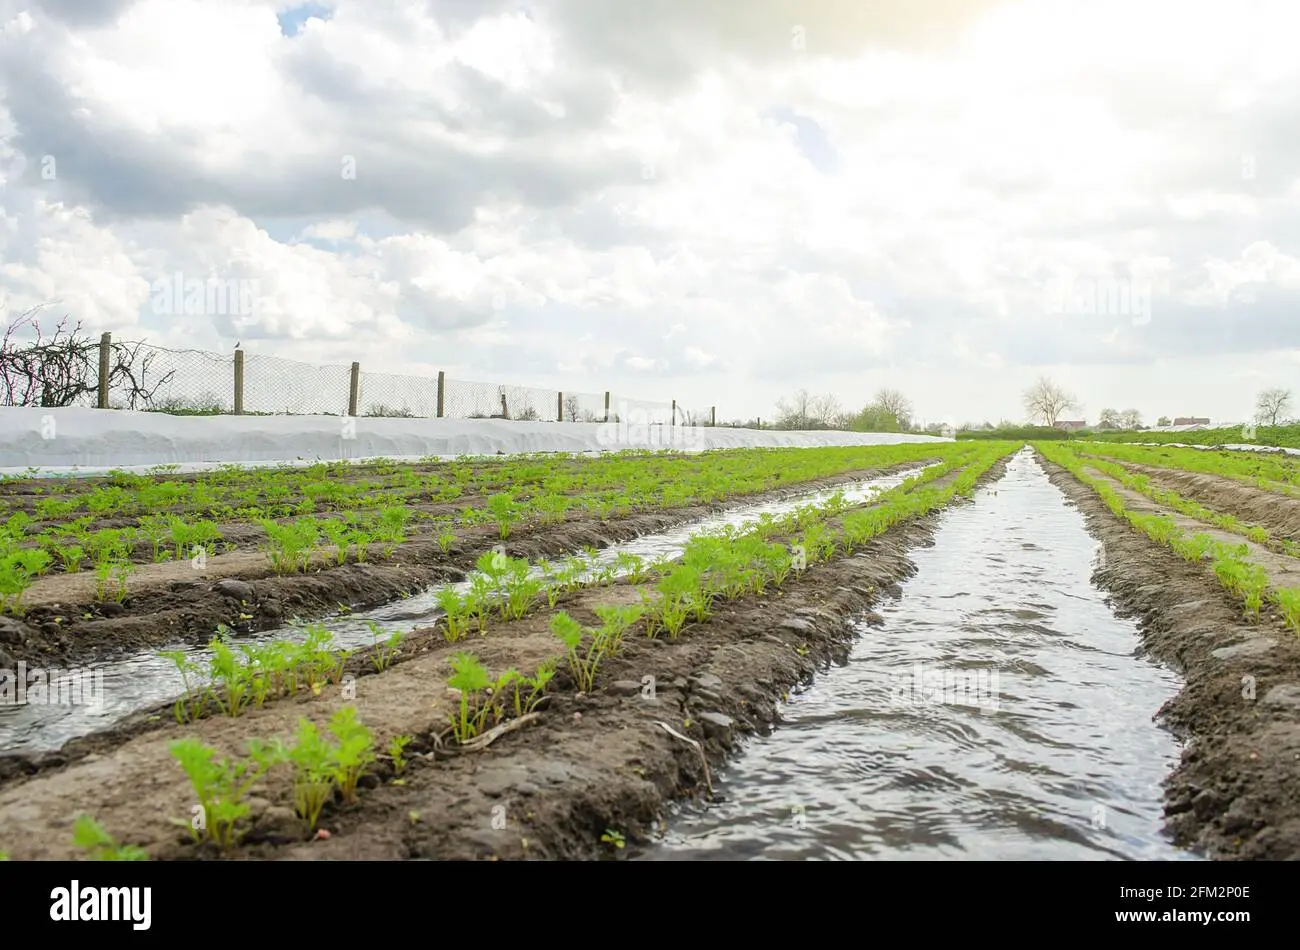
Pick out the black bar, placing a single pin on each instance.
(329, 900)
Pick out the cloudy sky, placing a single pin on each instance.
(718, 201)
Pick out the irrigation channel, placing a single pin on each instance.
(145, 680)
(998, 712)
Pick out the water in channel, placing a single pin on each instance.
(144, 680)
(1000, 712)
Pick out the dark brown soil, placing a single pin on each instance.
(175, 602)
(1277, 513)
(1236, 793)
(589, 763)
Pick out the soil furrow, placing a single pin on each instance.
(178, 602)
(1233, 795)
(591, 763)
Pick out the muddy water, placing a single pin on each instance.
(998, 713)
(115, 690)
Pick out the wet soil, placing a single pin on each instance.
(600, 765)
(1236, 793)
(1277, 513)
(178, 602)
(1283, 570)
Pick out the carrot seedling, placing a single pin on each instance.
(222, 784)
(313, 773)
(471, 679)
(396, 747)
(353, 754)
(91, 837)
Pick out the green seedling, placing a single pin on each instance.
(613, 837)
(385, 651)
(456, 613)
(17, 571)
(396, 749)
(504, 512)
(231, 679)
(471, 679)
(353, 752)
(222, 785)
(70, 556)
(90, 836)
(583, 662)
(521, 590)
(633, 566)
(617, 620)
(314, 779)
(339, 534)
(529, 691)
(190, 706)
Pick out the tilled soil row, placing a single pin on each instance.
(176, 602)
(1277, 513)
(1236, 793)
(589, 763)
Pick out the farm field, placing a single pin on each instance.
(1285, 436)
(574, 669)
(89, 567)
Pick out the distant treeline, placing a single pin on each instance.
(1288, 435)
(1014, 434)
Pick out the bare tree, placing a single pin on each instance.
(1272, 404)
(795, 412)
(572, 411)
(825, 411)
(63, 369)
(1109, 419)
(893, 403)
(804, 411)
(1045, 400)
(1163, 421)
(1130, 419)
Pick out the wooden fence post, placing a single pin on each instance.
(442, 389)
(239, 382)
(713, 416)
(354, 390)
(105, 349)
(674, 416)
(505, 409)
(607, 405)
(559, 406)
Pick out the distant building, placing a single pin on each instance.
(1071, 425)
(1191, 421)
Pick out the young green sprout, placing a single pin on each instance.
(396, 747)
(90, 836)
(352, 754)
(221, 785)
(471, 678)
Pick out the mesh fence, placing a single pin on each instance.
(142, 376)
(170, 380)
(388, 394)
(286, 387)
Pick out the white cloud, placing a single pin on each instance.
(553, 198)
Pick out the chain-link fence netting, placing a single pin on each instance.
(65, 371)
(466, 400)
(151, 377)
(388, 394)
(286, 387)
